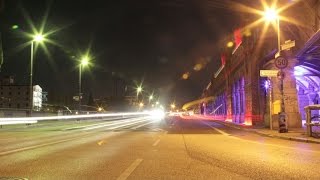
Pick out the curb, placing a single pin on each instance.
(268, 135)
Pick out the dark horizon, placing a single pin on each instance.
(146, 41)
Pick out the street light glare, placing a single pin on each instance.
(38, 38)
(270, 14)
(85, 61)
(139, 89)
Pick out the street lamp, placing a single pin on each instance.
(139, 90)
(173, 106)
(83, 62)
(271, 14)
(36, 38)
(150, 98)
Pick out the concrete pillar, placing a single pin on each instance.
(303, 101)
(290, 95)
(229, 106)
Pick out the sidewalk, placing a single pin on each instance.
(294, 134)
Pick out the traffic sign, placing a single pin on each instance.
(269, 73)
(281, 62)
(281, 75)
(288, 44)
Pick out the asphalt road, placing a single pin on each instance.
(142, 148)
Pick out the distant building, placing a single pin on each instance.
(37, 98)
(6, 80)
(44, 96)
(18, 97)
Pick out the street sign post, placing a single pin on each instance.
(269, 73)
(281, 75)
(288, 44)
(281, 62)
(76, 98)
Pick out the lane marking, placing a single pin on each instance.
(130, 169)
(101, 142)
(96, 124)
(158, 129)
(114, 123)
(261, 143)
(126, 125)
(216, 129)
(156, 143)
(36, 146)
(139, 126)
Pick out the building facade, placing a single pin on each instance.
(242, 96)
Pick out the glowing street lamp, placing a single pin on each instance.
(173, 106)
(141, 105)
(38, 38)
(271, 14)
(139, 90)
(150, 97)
(83, 63)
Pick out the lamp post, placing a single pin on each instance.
(150, 98)
(84, 62)
(271, 14)
(139, 90)
(36, 38)
(173, 106)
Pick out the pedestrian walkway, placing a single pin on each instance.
(294, 134)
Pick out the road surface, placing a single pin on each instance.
(142, 148)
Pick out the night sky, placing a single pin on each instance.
(154, 41)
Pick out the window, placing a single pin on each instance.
(10, 93)
(19, 93)
(27, 104)
(18, 105)
(9, 105)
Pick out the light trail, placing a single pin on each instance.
(73, 116)
(125, 122)
(129, 124)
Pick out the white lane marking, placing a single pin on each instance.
(125, 125)
(220, 131)
(96, 124)
(130, 169)
(158, 129)
(156, 143)
(113, 123)
(35, 146)
(136, 127)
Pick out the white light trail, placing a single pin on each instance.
(72, 116)
(113, 123)
(124, 125)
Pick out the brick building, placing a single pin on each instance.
(241, 95)
(14, 96)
